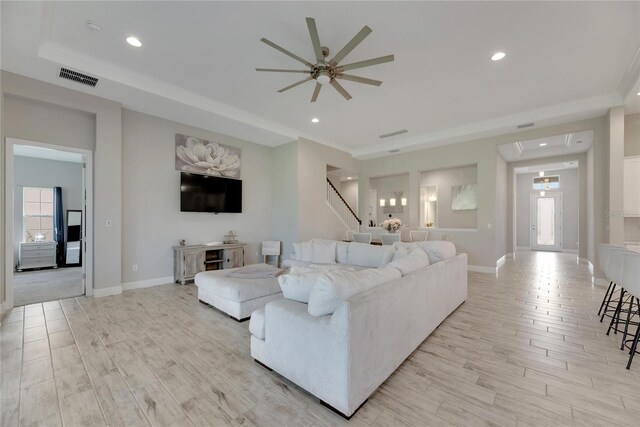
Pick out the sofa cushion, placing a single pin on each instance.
(401, 252)
(303, 251)
(342, 252)
(367, 255)
(256, 324)
(416, 260)
(324, 252)
(437, 250)
(336, 286)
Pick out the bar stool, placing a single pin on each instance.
(631, 283)
(611, 264)
(615, 274)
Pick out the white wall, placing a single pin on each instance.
(444, 179)
(152, 221)
(31, 172)
(569, 187)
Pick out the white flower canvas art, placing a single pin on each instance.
(464, 197)
(204, 157)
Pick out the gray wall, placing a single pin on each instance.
(481, 244)
(386, 187)
(350, 193)
(569, 187)
(31, 172)
(583, 200)
(502, 206)
(38, 103)
(151, 217)
(315, 217)
(445, 179)
(632, 135)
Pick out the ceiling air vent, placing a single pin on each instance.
(525, 125)
(395, 150)
(398, 132)
(68, 74)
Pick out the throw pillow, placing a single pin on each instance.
(332, 288)
(324, 252)
(416, 260)
(401, 252)
(342, 252)
(366, 255)
(297, 284)
(304, 251)
(437, 250)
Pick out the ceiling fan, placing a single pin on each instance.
(328, 70)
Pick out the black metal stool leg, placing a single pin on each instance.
(605, 298)
(633, 347)
(626, 326)
(613, 289)
(616, 314)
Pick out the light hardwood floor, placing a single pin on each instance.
(525, 349)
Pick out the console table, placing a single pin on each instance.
(193, 259)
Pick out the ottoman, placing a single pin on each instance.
(236, 296)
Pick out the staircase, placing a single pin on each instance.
(341, 208)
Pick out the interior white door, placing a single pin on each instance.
(546, 222)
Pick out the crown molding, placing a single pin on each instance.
(631, 76)
(555, 114)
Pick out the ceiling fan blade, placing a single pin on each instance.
(315, 40)
(295, 84)
(316, 91)
(340, 89)
(286, 52)
(355, 41)
(278, 70)
(358, 79)
(367, 63)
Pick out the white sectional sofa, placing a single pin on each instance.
(358, 325)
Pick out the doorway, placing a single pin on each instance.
(546, 221)
(48, 228)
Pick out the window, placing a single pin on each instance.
(546, 183)
(37, 208)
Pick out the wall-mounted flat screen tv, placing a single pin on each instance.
(202, 193)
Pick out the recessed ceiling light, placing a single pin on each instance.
(638, 93)
(315, 120)
(93, 26)
(133, 41)
(349, 177)
(544, 144)
(498, 56)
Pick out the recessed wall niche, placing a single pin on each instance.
(389, 197)
(438, 188)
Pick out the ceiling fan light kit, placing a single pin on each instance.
(328, 71)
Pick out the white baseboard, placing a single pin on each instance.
(501, 261)
(591, 269)
(105, 292)
(481, 269)
(147, 283)
(583, 260)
